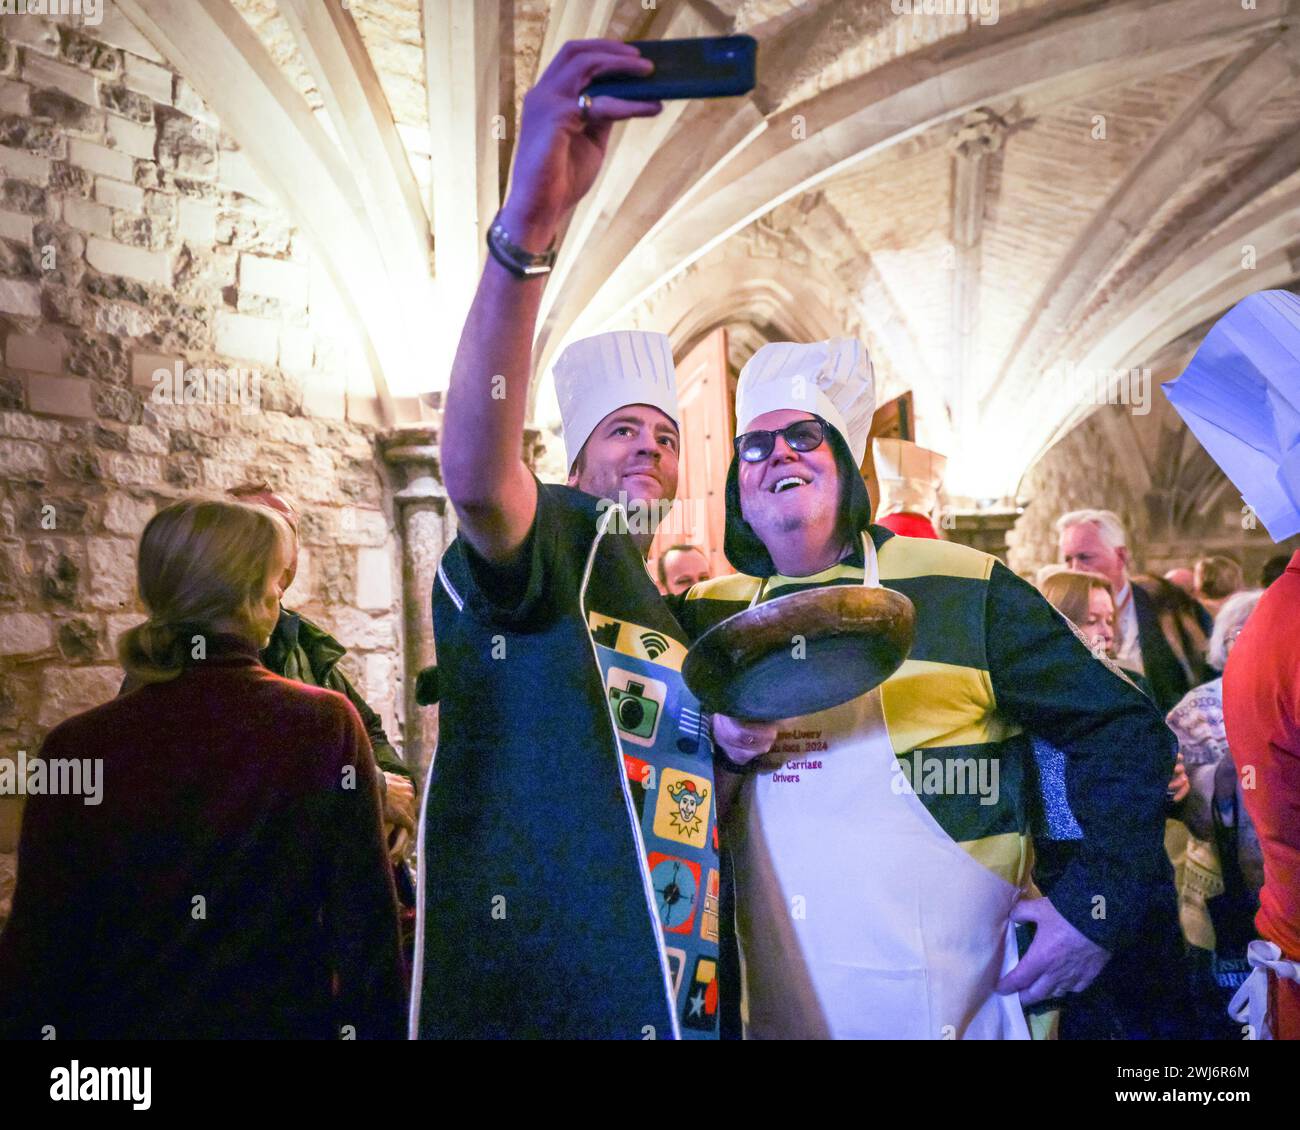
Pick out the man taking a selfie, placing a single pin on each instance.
(568, 850)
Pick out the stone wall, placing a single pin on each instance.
(1079, 472)
(135, 238)
(1175, 505)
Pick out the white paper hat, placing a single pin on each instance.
(832, 379)
(1240, 396)
(910, 477)
(598, 375)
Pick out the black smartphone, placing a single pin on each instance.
(713, 67)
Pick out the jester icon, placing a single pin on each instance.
(688, 799)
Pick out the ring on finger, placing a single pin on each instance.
(584, 106)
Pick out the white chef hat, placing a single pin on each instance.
(910, 477)
(598, 375)
(832, 379)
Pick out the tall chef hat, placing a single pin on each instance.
(910, 477)
(597, 375)
(832, 379)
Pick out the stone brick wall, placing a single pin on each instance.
(1080, 472)
(1171, 520)
(134, 237)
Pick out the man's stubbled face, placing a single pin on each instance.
(632, 451)
(684, 568)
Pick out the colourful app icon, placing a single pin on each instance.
(682, 808)
(693, 734)
(640, 775)
(636, 702)
(709, 918)
(701, 1008)
(676, 884)
(676, 967)
(605, 632)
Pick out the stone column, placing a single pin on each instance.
(975, 148)
(985, 530)
(426, 526)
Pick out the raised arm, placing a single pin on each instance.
(559, 154)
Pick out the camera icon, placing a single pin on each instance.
(637, 704)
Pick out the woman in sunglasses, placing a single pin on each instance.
(911, 877)
(787, 482)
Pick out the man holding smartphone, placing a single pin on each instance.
(568, 845)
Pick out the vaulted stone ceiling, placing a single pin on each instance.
(1001, 207)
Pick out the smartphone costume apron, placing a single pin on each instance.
(666, 749)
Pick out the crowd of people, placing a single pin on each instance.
(1071, 812)
(1175, 633)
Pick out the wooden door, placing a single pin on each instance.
(706, 400)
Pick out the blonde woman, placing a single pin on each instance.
(1088, 602)
(233, 880)
(1126, 1002)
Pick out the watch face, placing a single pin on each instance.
(497, 235)
(520, 263)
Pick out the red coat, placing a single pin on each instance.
(1261, 710)
(908, 524)
(232, 882)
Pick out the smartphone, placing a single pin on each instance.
(713, 67)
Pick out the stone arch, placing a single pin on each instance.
(793, 309)
(746, 176)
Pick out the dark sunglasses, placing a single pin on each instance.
(802, 435)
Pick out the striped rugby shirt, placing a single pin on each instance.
(993, 663)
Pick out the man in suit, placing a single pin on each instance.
(1094, 541)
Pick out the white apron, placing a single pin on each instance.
(857, 915)
(1249, 1004)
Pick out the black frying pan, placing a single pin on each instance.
(753, 665)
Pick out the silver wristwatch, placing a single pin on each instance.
(520, 263)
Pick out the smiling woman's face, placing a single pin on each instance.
(1099, 627)
(790, 493)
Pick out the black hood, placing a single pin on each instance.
(745, 550)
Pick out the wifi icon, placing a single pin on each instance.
(655, 645)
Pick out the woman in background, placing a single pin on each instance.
(1125, 1002)
(1218, 893)
(233, 879)
(1088, 602)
